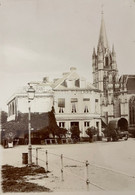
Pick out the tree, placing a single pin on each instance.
(60, 132)
(42, 133)
(52, 122)
(38, 121)
(43, 124)
(90, 132)
(19, 127)
(3, 117)
(13, 129)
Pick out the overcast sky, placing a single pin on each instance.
(46, 37)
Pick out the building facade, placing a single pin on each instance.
(42, 102)
(76, 102)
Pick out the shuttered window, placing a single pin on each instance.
(61, 105)
(74, 105)
(86, 104)
(61, 102)
(74, 100)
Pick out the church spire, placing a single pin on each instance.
(103, 42)
(113, 51)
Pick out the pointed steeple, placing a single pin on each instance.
(103, 42)
(113, 51)
(94, 53)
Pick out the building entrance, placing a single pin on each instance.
(74, 124)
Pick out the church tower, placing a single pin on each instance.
(105, 75)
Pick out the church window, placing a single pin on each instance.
(117, 108)
(74, 105)
(61, 105)
(114, 82)
(105, 86)
(106, 61)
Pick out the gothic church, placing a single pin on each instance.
(117, 94)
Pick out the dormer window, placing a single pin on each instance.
(61, 105)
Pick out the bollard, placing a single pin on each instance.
(46, 160)
(62, 178)
(56, 141)
(36, 156)
(24, 158)
(87, 174)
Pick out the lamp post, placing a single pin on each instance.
(31, 94)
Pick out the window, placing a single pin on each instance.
(106, 61)
(86, 105)
(74, 105)
(96, 105)
(97, 124)
(62, 124)
(61, 105)
(86, 124)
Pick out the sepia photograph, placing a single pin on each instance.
(67, 96)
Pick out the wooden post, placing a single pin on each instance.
(62, 178)
(46, 160)
(36, 156)
(87, 174)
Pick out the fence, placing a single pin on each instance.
(65, 168)
(72, 172)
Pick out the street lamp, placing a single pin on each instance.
(31, 94)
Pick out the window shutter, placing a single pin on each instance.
(61, 102)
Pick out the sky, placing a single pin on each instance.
(41, 38)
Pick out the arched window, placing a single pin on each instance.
(106, 61)
(114, 80)
(105, 86)
(132, 110)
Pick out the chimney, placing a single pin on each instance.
(54, 80)
(72, 69)
(45, 79)
(65, 73)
